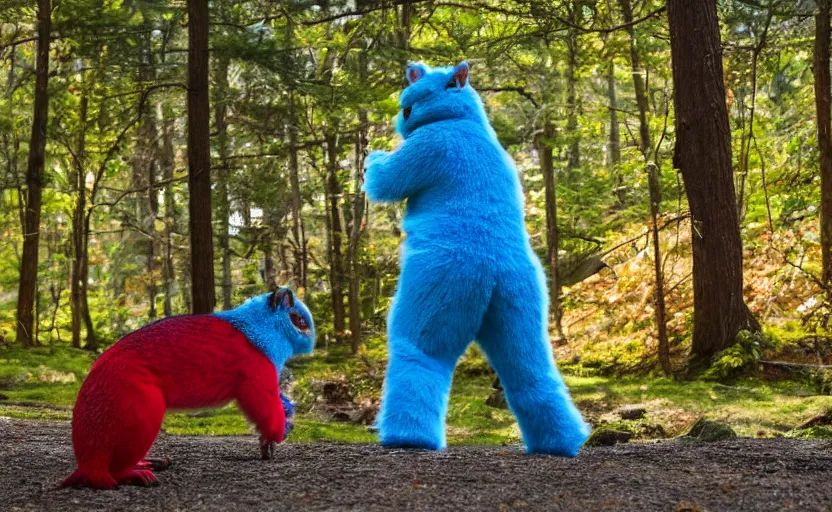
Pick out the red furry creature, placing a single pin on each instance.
(184, 362)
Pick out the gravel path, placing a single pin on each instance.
(225, 473)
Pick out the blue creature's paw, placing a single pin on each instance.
(408, 438)
(289, 411)
(373, 157)
(566, 443)
(557, 428)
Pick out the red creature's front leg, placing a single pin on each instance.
(259, 400)
(155, 464)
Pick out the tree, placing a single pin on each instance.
(824, 118)
(547, 168)
(199, 161)
(703, 154)
(34, 182)
(652, 168)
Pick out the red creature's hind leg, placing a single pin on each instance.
(139, 429)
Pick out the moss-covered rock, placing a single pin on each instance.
(708, 431)
(608, 437)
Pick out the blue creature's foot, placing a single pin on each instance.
(415, 402)
(551, 424)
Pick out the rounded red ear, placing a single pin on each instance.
(461, 74)
(415, 72)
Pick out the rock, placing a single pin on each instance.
(822, 420)
(708, 431)
(608, 437)
(497, 400)
(337, 393)
(365, 415)
(652, 430)
(632, 412)
(342, 416)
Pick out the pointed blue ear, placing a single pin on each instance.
(415, 72)
(461, 74)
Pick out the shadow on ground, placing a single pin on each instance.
(225, 473)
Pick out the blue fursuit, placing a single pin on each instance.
(468, 272)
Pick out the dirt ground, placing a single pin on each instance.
(225, 473)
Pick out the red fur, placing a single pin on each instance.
(184, 362)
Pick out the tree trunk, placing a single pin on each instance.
(357, 220)
(822, 103)
(34, 182)
(220, 109)
(298, 233)
(703, 154)
(336, 234)
(654, 186)
(166, 163)
(615, 135)
(199, 161)
(574, 152)
(79, 217)
(301, 257)
(144, 176)
(544, 145)
(92, 338)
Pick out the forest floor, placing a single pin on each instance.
(225, 473)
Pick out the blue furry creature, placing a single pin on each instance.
(468, 272)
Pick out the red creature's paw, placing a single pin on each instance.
(155, 464)
(96, 481)
(266, 448)
(139, 477)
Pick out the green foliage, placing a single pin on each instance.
(740, 357)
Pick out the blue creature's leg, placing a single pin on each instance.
(436, 313)
(514, 337)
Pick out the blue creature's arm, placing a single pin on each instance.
(396, 175)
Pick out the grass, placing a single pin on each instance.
(42, 384)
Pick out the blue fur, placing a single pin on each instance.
(289, 411)
(468, 273)
(270, 329)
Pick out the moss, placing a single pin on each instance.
(819, 432)
(708, 431)
(607, 436)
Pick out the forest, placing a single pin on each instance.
(163, 157)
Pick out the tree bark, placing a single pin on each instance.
(336, 275)
(199, 161)
(654, 186)
(615, 133)
(544, 145)
(300, 256)
(166, 163)
(574, 151)
(220, 109)
(357, 219)
(703, 154)
(614, 145)
(34, 182)
(79, 215)
(822, 104)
